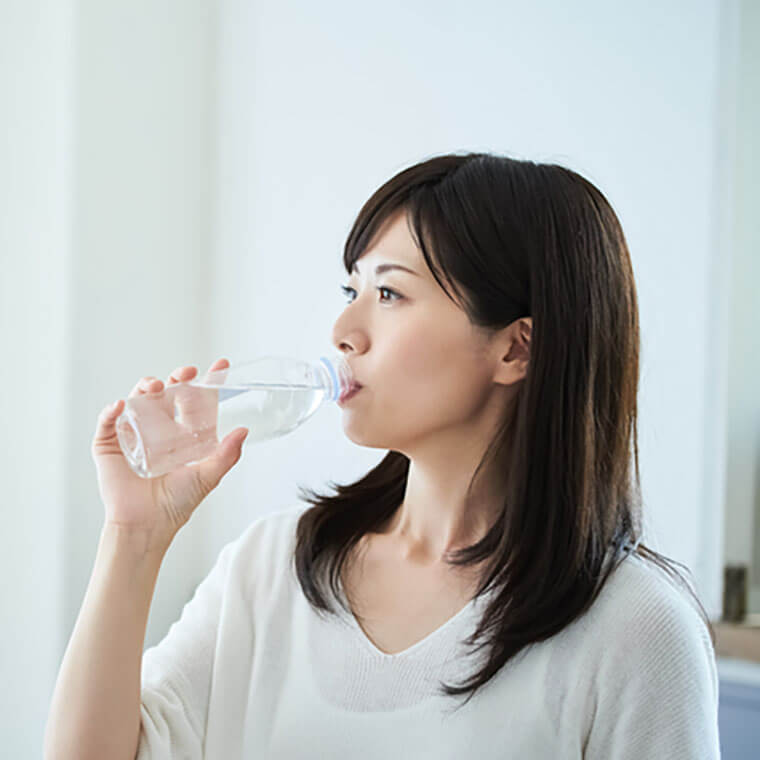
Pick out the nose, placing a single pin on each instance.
(348, 339)
(348, 345)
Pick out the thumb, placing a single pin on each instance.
(212, 469)
(105, 440)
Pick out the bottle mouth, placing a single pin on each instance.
(339, 374)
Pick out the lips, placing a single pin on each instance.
(351, 392)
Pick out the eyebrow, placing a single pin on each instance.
(380, 268)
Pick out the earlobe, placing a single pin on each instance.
(512, 371)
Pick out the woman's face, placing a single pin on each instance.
(427, 373)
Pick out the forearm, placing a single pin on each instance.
(95, 710)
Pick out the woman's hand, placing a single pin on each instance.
(156, 508)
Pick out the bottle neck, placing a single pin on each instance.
(335, 376)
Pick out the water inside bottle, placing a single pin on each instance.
(267, 410)
(184, 423)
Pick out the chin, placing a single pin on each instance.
(366, 439)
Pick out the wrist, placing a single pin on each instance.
(136, 540)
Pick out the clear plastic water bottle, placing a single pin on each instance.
(185, 422)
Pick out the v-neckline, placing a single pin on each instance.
(413, 648)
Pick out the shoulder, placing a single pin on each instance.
(645, 627)
(649, 666)
(268, 536)
(271, 529)
(261, 554)
(640, 600)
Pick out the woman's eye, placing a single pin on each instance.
(394, 295)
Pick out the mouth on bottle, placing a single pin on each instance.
(350, 393)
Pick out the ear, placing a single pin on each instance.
(512, 348)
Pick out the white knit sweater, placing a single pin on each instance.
(251, 671)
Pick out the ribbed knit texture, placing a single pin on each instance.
(250, 670)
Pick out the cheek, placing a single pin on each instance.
(422, 349)
(434, 378)
(433, 353)
(427, 376)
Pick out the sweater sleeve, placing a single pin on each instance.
(656, 686)
(176, 674)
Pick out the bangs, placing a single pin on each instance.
(426, 224)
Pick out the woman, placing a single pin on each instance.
(483, 591)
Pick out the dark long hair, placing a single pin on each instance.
(515, 238)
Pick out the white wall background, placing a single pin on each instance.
(35, 266)
(176, 184)
(743, 413)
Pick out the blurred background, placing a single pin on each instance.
(177, 179)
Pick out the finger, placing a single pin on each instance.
(181, 375)
(219, 364)
(212, 469)
(149, 384)
(105, 429)
(197, 408)
(216, 373)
